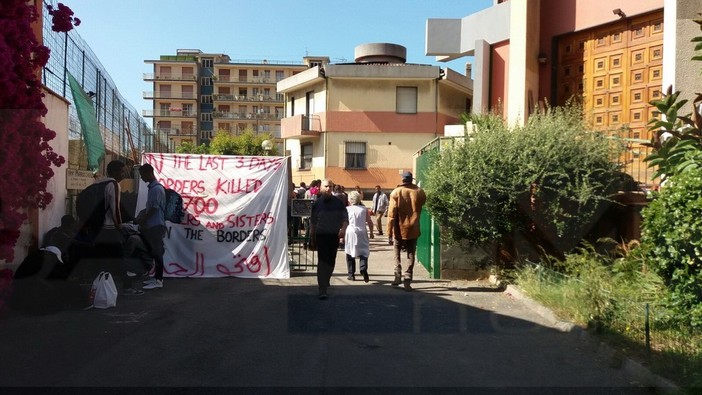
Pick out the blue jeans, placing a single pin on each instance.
(351, 264)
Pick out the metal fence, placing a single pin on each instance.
(118, 120)
(643, 329)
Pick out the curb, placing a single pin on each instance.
(616, 359)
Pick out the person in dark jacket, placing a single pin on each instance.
(328, 223)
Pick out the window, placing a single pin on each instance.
(206, 116)
(206, 99)
(188, 110)
(355, 155)
(207, 62)
(279, 75)
(206, 81)
(406, 100)
(306, 156)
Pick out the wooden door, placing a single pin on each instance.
(617, 69)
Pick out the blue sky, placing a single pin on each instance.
(125, 33)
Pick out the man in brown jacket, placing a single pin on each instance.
(406, 202)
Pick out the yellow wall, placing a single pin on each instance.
(300, 95)
(377, 95)
(452, 102)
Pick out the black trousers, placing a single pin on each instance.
(327, 246)
(153, 238)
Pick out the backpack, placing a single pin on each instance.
(91, 209)
(174, 207)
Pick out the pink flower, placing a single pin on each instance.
(24, 141)
(62, 18)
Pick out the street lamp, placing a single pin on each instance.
(267, 146)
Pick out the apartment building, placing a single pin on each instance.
(196, 94)
(616, 56)
(362, 123)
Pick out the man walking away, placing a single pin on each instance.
(152, 223)
(406, 202)
(378, 208)
(328, 223)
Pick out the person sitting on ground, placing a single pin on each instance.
(62, 236)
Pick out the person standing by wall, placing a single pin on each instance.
(108, 243)
(328, 223)
(356, 244)
(152, 223)
(378, 208)
(406, 202)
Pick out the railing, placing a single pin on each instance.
(170, 95)
(169, 113)
(248, 80)
(266, 61)
(244, 98)
(169, 77)
(238, 115)
(177, 131)
(311, 123)
(300, 125)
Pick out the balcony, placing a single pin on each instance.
(245, 116)
(177, 131)
(169, 77)
(228, 79)
(300, 126)
(170, 95)
(247, 99)
(173, 113)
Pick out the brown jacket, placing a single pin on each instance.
(406, 202)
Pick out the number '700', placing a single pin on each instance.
(198, 205)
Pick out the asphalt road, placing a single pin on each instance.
(275, 334)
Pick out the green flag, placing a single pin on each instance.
(88, 124)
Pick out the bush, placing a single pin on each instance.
(546, 183)
(672, 241)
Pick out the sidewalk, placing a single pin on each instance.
(381, 266)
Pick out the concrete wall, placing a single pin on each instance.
(499, 75)
(56, 119)
(679, 71)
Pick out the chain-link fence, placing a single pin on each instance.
(124, 132)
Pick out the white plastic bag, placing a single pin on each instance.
(103, 293)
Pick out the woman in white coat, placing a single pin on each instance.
(356, 238)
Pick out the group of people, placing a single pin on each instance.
(137, 244)
(148, 227)
(334, 221)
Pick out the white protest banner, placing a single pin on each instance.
(235, 220)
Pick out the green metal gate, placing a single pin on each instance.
(428, 244)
